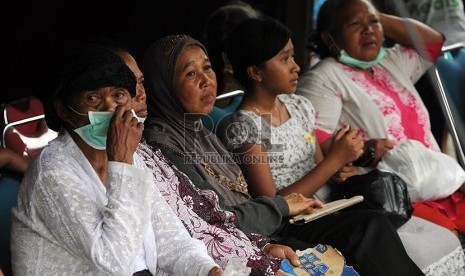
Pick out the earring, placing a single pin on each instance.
(333, 50)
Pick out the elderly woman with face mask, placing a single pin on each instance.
(88, 204)
(360, 83)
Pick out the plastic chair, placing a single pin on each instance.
(25, 130)
(225, 105)
(9, 187)
(26, 133)
(449, 72)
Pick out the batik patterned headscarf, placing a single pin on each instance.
(168, 125)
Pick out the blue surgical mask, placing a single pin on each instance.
(346, 59)
(95, 133)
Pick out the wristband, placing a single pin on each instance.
(266, 244)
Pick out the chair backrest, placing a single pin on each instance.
(449, 71)
(9, 188)
(25, 130)
(225, 105)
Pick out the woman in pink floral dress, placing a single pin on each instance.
(372, 89)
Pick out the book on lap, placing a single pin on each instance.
(328, 208)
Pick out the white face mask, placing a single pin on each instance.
(346, 59)
(139, 119)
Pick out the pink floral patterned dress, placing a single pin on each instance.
(384, 105)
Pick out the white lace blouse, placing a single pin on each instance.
(290, 146)
(68, 223)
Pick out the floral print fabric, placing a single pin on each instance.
(201, 214)
(341, 95)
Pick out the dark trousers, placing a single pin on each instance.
(142, 273)
(367, 240)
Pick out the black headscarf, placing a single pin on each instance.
(89, 67)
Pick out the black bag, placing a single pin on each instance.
(383, 191)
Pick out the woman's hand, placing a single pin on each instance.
(281, 252)
(346, 146)
(215, 271)
(381, 146)
(124, 134)
(346, 172)
(399, 29)
(298, 204)
(10, 160)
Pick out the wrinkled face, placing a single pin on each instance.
(360, 32)
(280, 73)
(103, 99)
(195, 81)
(140, 106)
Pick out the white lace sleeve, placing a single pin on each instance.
(406, 61)
(59, 204)
(318, 88)
(244, 127)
